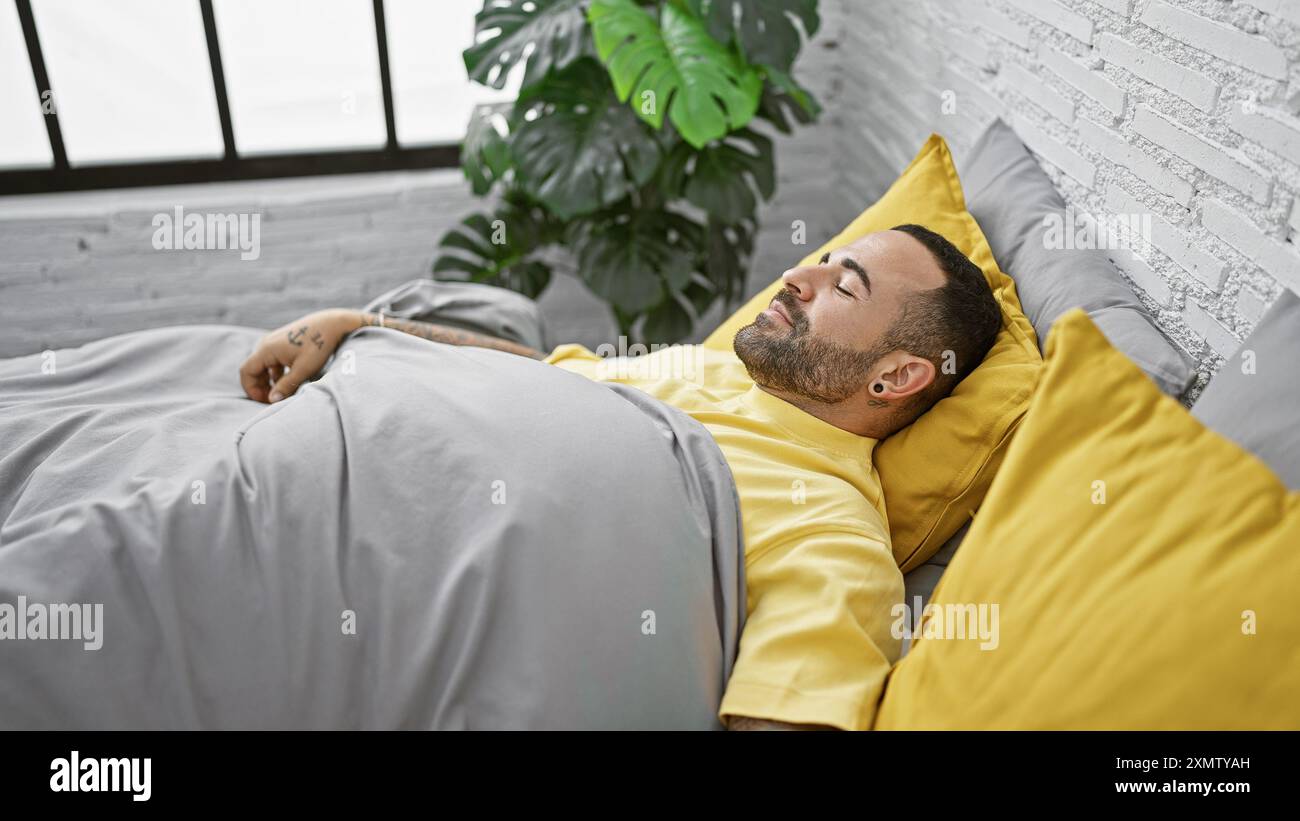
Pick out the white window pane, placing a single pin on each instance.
(301, 74)
(131, 79)
(432, 95)
(23, 141)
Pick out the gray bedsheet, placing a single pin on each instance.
(426, 537)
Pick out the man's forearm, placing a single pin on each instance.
(451, 336)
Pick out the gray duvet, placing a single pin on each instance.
(426, 537)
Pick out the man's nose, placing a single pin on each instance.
(801, 280)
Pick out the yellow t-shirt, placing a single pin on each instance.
(820, 575)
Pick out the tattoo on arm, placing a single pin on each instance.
(453, 336)
(295, 337)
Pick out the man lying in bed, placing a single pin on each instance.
(853, 348)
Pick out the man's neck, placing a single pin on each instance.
(846, 416)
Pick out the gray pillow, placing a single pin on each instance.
(1260, 411)
(1009, 195)
(921, 581)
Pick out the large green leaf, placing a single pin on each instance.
(549, 34)
(701, 293)
(668, 322)
(634, 259)
(500, 248)
(765, 29)
(726, 176)
(485, 153)
(683, 234)
(673, 66)
(672, 173)
(727, 255)
(578, 148)
(784, 99)
(724, 259)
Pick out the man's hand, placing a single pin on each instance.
(290, 355)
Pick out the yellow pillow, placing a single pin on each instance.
(1144, 568)
(936, 471)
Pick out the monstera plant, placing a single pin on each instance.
(631, 145)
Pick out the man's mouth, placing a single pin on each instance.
(778, 311)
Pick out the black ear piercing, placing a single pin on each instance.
(878, 388)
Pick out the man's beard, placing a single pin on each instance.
(796, 362)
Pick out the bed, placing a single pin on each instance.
(375, 553)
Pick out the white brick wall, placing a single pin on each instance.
(1092, 84)
(76, 267)
(1185, 109)
(1161, 73)
(1058, 16)
(1250, 52)
(1216, 160)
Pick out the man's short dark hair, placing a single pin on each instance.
(961, 316)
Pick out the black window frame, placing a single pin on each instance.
(231, 166)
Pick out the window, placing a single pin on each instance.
(130, 79)
(136, 88)
(301, 74)
(22, 140)
(433, 98)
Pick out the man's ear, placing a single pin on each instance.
(904, 375)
